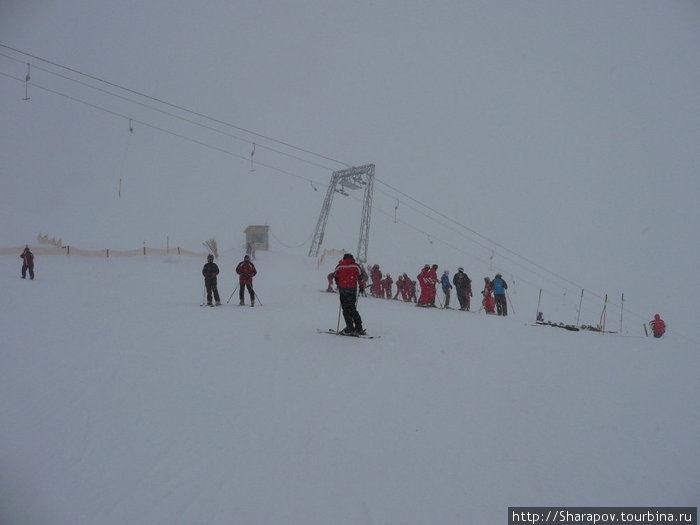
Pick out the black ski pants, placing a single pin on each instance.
(501, 304)
(348, 302)
(26, 267)
(241, 293)
(462, 297)
(212, 289)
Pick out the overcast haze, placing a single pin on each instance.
(554, 142)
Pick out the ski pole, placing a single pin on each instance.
(537, 318)
(511, 302)
(204, 291)
(233, 292)
(337, 326)
(257, 298)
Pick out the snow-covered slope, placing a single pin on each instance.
(124, 401)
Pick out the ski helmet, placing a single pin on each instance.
(210, 257)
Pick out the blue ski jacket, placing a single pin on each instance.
(499, 286)
(446, 282)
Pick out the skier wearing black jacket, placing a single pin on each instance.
(463, 286)
(210, 271)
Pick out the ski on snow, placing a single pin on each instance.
(330, 331)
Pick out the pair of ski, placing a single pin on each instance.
(330, 331)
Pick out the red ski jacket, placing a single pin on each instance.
(348, 274)
(246, 270)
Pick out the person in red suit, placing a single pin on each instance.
(400, 288)
(246, 271)
(424, 283)
(488, 302)
(658, 326)
(410, 287)
(376, 289)
(387, 282)
(348, 276)
(433, 282)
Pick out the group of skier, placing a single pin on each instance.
(351, 279)
(494, 299)
(246, 271)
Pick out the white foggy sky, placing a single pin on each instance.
(564, 131)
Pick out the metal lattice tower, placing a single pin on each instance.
(349, 179)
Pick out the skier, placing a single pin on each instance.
(410, 287)
(376, 289)
(27, 263)
(487, 302)
(433, 282)
(400, 288)
(658, 326)
(348, 275)
(424, 281)
(499, 287)
(250, 249)
(386, 285)
(246, 271)
(362, 285)
(330, 282)
(463, 286)
(446, 287)
(210, 271)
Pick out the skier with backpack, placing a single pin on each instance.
(348, 275)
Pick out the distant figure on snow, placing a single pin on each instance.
(348, 275)
(387, 283)
(246, 271)
(210, 271)
(330, 282)
(250, 249)
(463, 287)
(658, 326)
(27, 263)
(499, 287)
(488, 302)
(446, 287)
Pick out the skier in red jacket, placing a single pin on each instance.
(658, 326)
(386, 285)
(246, 271)
(400, 288)
(348, 275)
(410, 287)
(424, 282)
(376, 289)
(433, 282)
(488, 302)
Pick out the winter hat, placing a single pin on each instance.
(210, 257)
